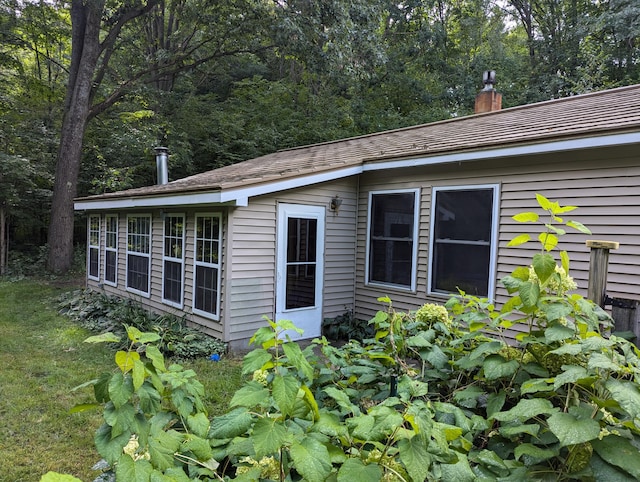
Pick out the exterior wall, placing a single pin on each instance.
(248, 260)
(605, 185)
(154, 300)
(251, 280)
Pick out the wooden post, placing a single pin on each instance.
(598, 267)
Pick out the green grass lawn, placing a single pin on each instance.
(42, 358)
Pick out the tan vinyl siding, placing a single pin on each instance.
(606, 190)
(252, 244)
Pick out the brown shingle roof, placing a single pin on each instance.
(599, 113)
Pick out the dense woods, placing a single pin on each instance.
(88, 88)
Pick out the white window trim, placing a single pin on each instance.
(206, 314)
(110, 249)
(416, 229)
(173, 259)
(91, 247)
(146, 294)
(493, 250)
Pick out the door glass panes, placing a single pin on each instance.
(301, 262)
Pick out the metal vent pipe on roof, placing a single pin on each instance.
(162, 164)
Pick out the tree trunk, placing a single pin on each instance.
(85, 51)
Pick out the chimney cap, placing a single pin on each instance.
(161, 150)
(489, 79)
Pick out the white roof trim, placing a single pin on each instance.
(260, 189)
(542, 148)
(149, 202)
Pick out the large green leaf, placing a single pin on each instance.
(121, 419)
(529, 293)
(533, 454)
(138, 471)
(354, 470)
(518, 240)
(162, 446)
(626, 394)
(120, 388)
(570, 374)
(298, 360)
(330, 424)
(526, 217)
(573, 429)
(548, 241)
(342, 399)
(414, 456)
(110, 448)
(198, 424)
(458, 472)
(311, 459)
(544, 265)
(526, 409)
(252, 394)
(125, 359)
(269, 435)
(620, 452)
(254, 360)
(200, 447)
(285, 392)
(150, 399)
(231, 424)
(496, 367)
(579, 226)
(156, 357)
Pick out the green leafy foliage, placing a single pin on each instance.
(109, 315)
(442, 393)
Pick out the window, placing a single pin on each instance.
(463, 234)
(138, 253)
(93, 249)
(392, 238)
(173, 260)
(206, 299)
(111, 250)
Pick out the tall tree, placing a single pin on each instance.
(102, 71)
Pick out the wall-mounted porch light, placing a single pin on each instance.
(335, 204)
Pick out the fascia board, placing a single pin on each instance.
(148, 202)
(240, 194)
(531, 149)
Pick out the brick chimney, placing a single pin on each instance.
(488, 99)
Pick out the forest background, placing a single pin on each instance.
(89, 87)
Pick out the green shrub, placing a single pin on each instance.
(99, 313)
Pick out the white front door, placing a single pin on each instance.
(300, 271)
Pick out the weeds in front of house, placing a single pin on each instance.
(429, 397)
(99, 313)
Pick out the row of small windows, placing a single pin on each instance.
(206, 256)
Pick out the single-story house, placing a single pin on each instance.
(313, 232)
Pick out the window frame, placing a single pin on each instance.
(93, 234)
(111, 249)
(414, 238)
(493, 242)
(145, 294)
(173, 259)
(217, 266)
